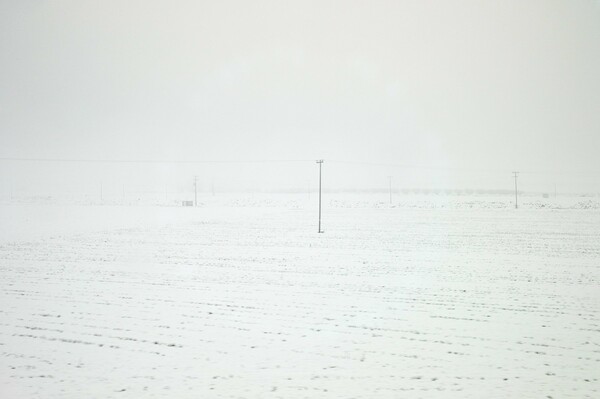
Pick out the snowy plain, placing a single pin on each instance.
(429, 297)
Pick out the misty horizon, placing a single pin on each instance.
(299, 199)
(450, 90)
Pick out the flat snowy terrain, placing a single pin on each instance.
(241, 298)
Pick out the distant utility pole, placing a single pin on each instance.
(390, 178)
(516, 174)
(320, 162)
(195, 190)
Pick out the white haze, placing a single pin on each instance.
(466, 91)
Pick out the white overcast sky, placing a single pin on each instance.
(463, 84)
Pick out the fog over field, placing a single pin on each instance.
(473, 90)
(167, 231)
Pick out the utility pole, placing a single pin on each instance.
(390, 178)
(195, 190)
(516, 198)
(320, 162)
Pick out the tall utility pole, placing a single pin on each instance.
(516, 174)
(320, 162)
(390, 178)
(195, 190)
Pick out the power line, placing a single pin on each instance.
(554, 172)
(171, 161)
(270, 161)
(407, 166)
(458, 169)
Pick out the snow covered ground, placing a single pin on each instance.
(433, 297)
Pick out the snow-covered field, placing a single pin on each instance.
(241, 298)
